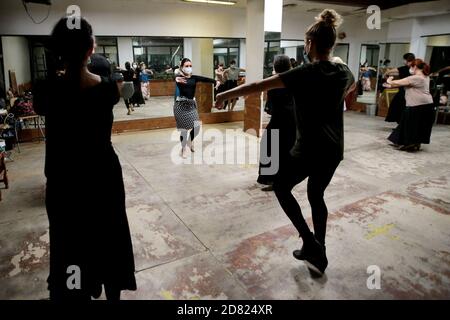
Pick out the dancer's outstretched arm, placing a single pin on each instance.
(246, 89)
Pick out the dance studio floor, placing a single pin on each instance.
(208, 232)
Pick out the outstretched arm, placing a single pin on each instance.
(247, 89)
(390, 83)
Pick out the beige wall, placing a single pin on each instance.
(16, 57)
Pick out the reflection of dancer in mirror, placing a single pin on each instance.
(232, 76)
(185, 107)
(145, 80)
(319, 89)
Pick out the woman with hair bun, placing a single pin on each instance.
(418, 116)
(90, 242)
(319, 89)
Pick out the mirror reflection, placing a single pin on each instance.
(368, 73)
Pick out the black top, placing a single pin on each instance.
(99, 65)
(279, 98)
(128, 75)
(319, 90)
(187, 90)
(403, 72)
(78, 122)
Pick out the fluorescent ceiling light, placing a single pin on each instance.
(228, 3)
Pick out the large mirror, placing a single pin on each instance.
(155, 59)
(368, 73)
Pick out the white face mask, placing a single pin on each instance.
(134, 66)
(411, 70)
(187, 70)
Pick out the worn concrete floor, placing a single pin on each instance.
(206, 231)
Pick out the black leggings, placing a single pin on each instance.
(184, 133)
(319, 178)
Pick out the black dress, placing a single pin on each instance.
(85, 196)
(398, 103)
(280, 105)
(137, 97)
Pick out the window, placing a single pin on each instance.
(107, 46)
(226, 50)
(158, 53)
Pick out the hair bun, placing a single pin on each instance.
(330, 17)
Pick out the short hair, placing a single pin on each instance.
(233, 61)
(409, 56)
(281, 63)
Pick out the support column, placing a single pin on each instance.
(254, 63)
(202, 65)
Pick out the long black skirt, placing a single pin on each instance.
(89, 232)
(415, 126)
(397, 106)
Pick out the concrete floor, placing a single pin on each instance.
(208, 232)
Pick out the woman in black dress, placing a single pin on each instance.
(137, 99)
(319, 89)
(90, 242)
(185, 107)
(398, 103)
(280, 105)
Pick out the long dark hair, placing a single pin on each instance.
(323, 31)
(70, 46)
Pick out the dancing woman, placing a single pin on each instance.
(185, 107)
(319, 89)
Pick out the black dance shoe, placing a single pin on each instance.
(314, 256)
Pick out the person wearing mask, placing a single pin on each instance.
(137, 99)
(398, 103)
(280, 105)
(85, 198)
(185, 107)
(145, 80)
(418, 116)
(232, 76)
(319, 89)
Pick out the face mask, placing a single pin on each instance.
(411, 70)
(187, 70)
(134, 66)
(306, 57)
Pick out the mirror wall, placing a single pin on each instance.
(368, 73)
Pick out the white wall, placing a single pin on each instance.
(130, 18)
(16, 57)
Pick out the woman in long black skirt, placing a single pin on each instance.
(280, 105)
(90, 242)
(398, 103)
(418, 116)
